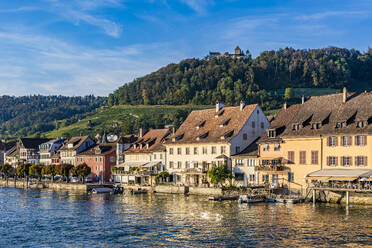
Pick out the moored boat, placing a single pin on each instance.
(101, 190)
(251, 198)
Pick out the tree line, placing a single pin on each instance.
(228, 79)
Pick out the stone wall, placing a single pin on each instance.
(20, 183)
(205, 191)
(171, 189)
(340, 197)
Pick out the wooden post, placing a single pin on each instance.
(314, 196)
(347, 198)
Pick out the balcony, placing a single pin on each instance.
(279, 168)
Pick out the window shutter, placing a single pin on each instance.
(342, 160)
(328, 141)
(356, 160)
(351, 161)
(365, 161)
(365, 140)
(349, 141)
(336, 141)
(342, 141)
(355, 140)
(336, 161)
(328, 160)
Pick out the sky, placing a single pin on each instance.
(80, 47)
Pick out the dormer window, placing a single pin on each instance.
(361, 124)
(179, 137)
(225, 123)
(340, 124)
(315, 125)
(271, 133)
(219, 113)
(296, 127)
(200, 125)
(227, 135)
(203, 136)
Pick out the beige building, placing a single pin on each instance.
(144, 159)
(74, 146)
(325, 134)
(210, 137)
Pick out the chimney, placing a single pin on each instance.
(285, 106)
(219, 106)
(141, 132)
(173, 130)
(242, 105)
(303, 99)
(344, 95)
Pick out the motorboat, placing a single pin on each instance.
(102, 190)
(251, 198)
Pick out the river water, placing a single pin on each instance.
(34, 218)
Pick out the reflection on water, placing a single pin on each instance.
(49, 219)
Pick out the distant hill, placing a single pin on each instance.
(126, 119)
(260, 80)
(33, 115)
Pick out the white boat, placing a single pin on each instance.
(251, 198)
(101, 190)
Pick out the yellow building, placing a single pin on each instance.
(330, 135)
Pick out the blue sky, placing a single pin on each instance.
(79, 47)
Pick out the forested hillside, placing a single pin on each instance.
(203, 81)
(32, 115)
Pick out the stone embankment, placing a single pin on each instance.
(355, 198)
(20, 183)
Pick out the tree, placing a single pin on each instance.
(163, 176)
(50, 170)
(5, 170)
(219, 174)
(36, 170)
(23, 170)
(82, 171)
(288, 94)
(64, 170)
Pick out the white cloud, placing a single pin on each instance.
(45, 65)
(199, 6)
(327, 14)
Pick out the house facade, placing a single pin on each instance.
(29, 150)
(210, 137)
(2, 152)
(74, 146)
(144, 159)
(100, 158)
(48, 149)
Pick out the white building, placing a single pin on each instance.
(210, 137)
(74, 146)
(48, 149)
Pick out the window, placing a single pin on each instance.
(171, 151)
(96, 159)
(314, 157)
(338, 125)
(244, 136)
(253, 124)
(96, 168)
(223, 149)
(271, 133)
(360, 124)
(112, 159)
(195, 150)
(187, 164)
(265, 178)
(265, 147)
(291, 157)
(154, 156)
(262, 125)
(100, 159)
(332, 141)
(276, 147)
(302, 157)
(345, 161)
(252, 177)
(296, 127)
(170, 164)
(346, 140)
(239, 162)
(161, 156)
(360, 140)
(275, 178)
(290, 177)
(214, 150)
(179, 151)
(187, 150)
(179, 165)
(205, 151)
(237, 149)
(360, 161)
(332, 161)
(195, 164)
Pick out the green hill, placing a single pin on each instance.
(126, 119)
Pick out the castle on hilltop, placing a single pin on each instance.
(238, 53)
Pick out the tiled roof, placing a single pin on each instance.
(280, 123)
(100, 149)
(75, 141)
(32, 143)
(208, 126)
(2, 146)
(249, 151)
(150, 142)
(330, 111)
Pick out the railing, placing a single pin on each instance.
(134, 173)
(270, 168)
(346, 186)
(194, 170)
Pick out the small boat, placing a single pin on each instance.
(251, 198)
(270, 200)
(102, 190)
(118, 190)
(222, 198)
(138, 191)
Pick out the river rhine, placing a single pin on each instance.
(33, 218)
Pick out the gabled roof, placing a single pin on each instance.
(152, 141)
(249, 151)
(32, 143)
(100, 149)
(280, 123)
(75, 141)
(206, 126)
(329, 110)
(2, 146)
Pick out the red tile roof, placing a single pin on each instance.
(152, 141)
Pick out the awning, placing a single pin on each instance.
(222, 156)
(150, 164)
(270, 158)
(131, 164)
(339, 174)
